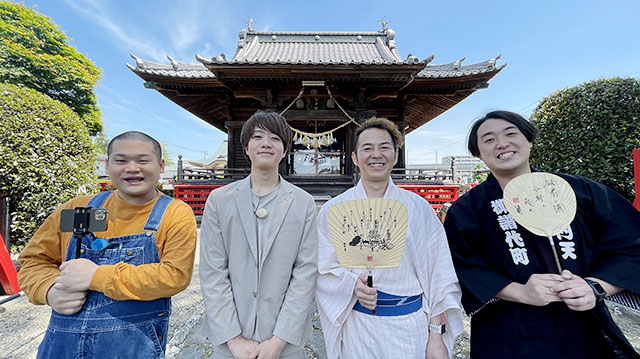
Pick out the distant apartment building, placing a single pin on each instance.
(465, 169)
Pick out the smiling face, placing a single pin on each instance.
(375, 155)
(265, 150)
(134, 170)
(503, 148)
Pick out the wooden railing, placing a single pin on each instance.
(211, 176)
(419, 175)
(228, 175)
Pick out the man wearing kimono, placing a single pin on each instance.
(521, 306)
(424, 285)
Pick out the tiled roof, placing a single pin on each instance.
(456, 69)
(199, 71)
(176, 69)
(316, 48)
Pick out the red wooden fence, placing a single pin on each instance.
(196, 195)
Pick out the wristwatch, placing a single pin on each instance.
(597, 289)
(438, 328)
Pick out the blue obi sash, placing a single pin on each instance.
(389, 305)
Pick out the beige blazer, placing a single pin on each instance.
(238, 298)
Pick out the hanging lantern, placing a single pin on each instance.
(331, 103)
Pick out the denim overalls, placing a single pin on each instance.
(109, 328)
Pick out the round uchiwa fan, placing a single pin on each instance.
(543, 203)
(368, 233)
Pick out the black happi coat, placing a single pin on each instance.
(606, 245)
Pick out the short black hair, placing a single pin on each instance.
(137, 136)
(270, 121)
(529, 131)
(383, 124)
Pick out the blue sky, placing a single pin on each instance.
(548, 45)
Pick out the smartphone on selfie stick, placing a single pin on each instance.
(81, 221)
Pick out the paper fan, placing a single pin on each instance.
(543, 203)
(368, 233)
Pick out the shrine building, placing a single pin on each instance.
(325, 83)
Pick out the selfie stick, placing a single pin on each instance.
(80, 221)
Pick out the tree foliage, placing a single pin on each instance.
(35, 53)
(100, 143)
(47, 157)
(479, 177)
(166, 155)
(591, 130)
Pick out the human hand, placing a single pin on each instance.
(435, 347)
(64, 301)
(538, 289)
(242, 348)
(76, 274)
(366, 295)
(271, 348)
(575, 292)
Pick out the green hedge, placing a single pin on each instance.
(591, 130)
(47, 157)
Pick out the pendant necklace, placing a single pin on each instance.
(260, 212)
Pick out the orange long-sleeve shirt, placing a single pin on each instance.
(176, 241)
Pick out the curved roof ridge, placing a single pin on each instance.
(247, 50)
(174, 69)
(385, 50)
(456, 69)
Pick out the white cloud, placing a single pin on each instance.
(196, 120)
(144, 45)
(112, 97)
(192, 23)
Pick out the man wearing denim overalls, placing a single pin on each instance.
(114, 301)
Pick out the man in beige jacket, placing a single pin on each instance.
(258, 256)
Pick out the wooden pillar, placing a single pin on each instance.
(231, 159)
(402, 152)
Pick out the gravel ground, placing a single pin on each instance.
(627, 319)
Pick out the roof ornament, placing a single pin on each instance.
(492, 62)
(457, 64)
(412, 59)
(384, 24)
(174, 63)
(139, 62)
(249, 24)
